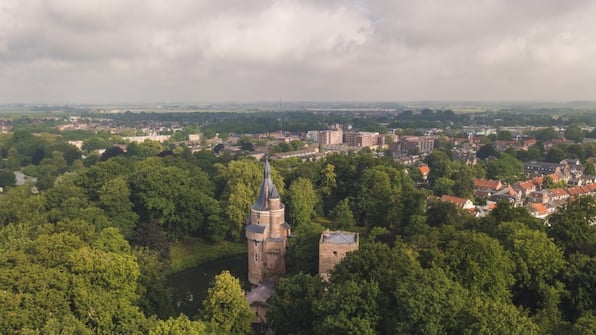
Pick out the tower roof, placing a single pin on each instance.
(268, 189)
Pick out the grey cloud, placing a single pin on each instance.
(145, 50)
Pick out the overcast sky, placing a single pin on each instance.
(111, 51)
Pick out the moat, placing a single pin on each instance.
(190, 286)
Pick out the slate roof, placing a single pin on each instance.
(255, 228)
(339, 237)
(261, 293)
(268, 190)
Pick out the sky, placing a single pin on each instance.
(140, 51)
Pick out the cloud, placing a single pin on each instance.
(147, 50)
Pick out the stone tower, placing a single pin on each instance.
(333, 248)
(267, 234)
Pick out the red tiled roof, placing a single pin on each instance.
(541, 209)
(575, 190)
(424, 169)
(511, 191)
(487, 183)
(558, 192)
(524, 185)
(460, 202)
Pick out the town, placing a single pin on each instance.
(302, 206)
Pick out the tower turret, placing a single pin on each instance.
(267, 233)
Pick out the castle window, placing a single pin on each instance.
(256, 244)
(256, 257)
(335, 253)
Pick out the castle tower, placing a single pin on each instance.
(333, 248)
(267, 233)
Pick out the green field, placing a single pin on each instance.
(192, 251)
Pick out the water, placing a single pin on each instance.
(190, 286)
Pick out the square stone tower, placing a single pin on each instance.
(333, 248)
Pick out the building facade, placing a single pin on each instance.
(331, 137)
(333, 248)
(267, 234)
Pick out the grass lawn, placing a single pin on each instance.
(192, 251)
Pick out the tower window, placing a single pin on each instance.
(256, 244)
(335, 253)
(256, 257)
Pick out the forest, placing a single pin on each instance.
(89, 250)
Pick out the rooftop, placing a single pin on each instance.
(339, 237)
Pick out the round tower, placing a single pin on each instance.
(267, 233)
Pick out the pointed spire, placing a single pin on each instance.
(267, 173)
(268, 189)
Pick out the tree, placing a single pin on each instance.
(578, 276)
(226, 305)
(546, 134)
(96, 143)
(304, 249)
(506, 168)
(111, 152)
(302, 200)
(343, 214)
(480, 264)
(429, 303)
(114, 199)
(548, 182)
(242, 180)
(555, 155)
(7, 178)
(290, 309)
(380, 188)
(463, 186)
(328, 180)
(246, 144)
(538, 262)
(486, 151)
(356, 315)
(504, 135)
(439, 164)
(441, 213)
(574, 133)
(589, 170)
(443, 186)
(572, 227)
(482, 316)
(178, 326)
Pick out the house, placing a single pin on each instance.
(459, 202)
(541, 168)
(508, 194)
(525, 187)
(539, 197)
(486, 187)
(424, 170)
(539, 211)
(558, 194)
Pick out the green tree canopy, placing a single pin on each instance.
(302, 200)
(226, 305)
